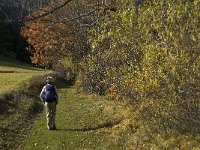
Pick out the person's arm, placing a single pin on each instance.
(57, 96)
(42, 94)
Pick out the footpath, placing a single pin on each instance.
(83, 123)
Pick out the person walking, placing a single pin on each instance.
(49, 96)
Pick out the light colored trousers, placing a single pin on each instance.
(50, 114)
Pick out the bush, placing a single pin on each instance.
(152, 60)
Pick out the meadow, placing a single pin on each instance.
(13, 74)
(17, 107)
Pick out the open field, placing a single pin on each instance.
(18, 108)
(13, 74)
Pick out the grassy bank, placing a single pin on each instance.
(13, 74)
(19, 102)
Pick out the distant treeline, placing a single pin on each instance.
(17, 9)
(11, 42)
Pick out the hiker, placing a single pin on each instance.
(49, 96)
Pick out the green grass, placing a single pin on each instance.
(13, 74)
(17, 109)
(11, 80)
(12, 64)
(89, 122)
(83, 122)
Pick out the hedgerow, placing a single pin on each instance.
(150, 59)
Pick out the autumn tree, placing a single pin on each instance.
(150, 59)
(75, 19)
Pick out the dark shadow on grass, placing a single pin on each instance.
(64, 83)
(9, 71)
(9, 62)
(101, 126)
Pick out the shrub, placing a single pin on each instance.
(152, 60)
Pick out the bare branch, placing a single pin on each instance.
(4, 13)
(49, 12)
(40, 16)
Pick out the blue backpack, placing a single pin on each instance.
(50, 93)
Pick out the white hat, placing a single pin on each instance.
(50, 79)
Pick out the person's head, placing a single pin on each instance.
(49, 80)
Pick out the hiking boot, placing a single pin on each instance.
(49, 128)
(54, 127)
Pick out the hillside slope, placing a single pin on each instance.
(19, 101)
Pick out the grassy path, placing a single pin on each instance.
(82, 122)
